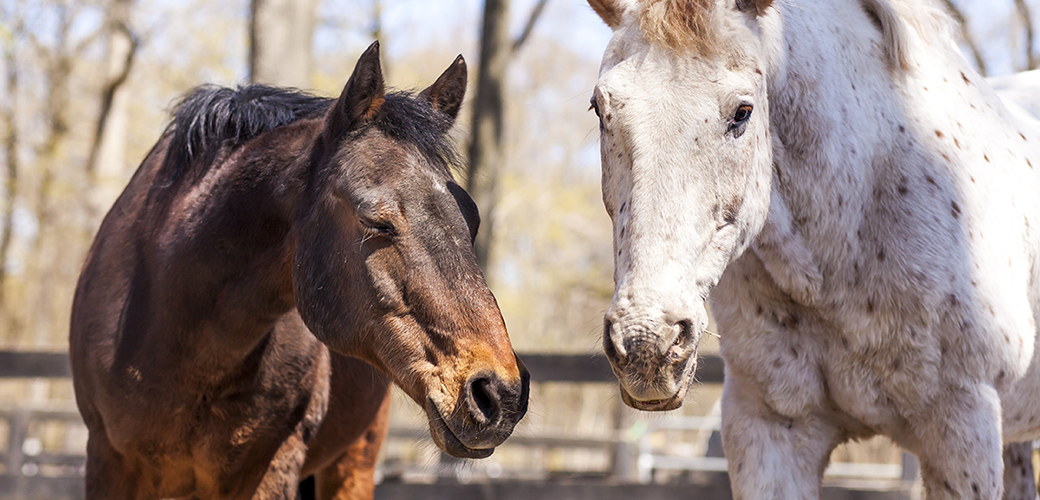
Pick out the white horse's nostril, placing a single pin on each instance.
(611, 348)
(675, 342)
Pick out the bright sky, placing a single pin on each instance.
(411, 23)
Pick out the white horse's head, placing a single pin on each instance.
(686, 156)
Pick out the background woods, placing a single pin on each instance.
(87, 83)
(85, 86)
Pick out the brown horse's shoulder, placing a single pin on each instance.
(104, 284)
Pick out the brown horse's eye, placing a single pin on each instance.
(378, 228)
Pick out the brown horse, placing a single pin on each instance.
(274, 263)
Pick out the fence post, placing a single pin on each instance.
(19, 423)
(623, 463)
(911, 467)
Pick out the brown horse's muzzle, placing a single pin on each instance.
(487, 407)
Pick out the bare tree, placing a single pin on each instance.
(50, 181)
(377, 21)
(966, 35)
(485, 146)
(106, 163)
(10, 123)
(47, 249)
(1027, 20)
(280, 33)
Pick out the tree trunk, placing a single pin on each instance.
(485, 147)
(106, 165)
(1027, 21)
(49, 265)
(966, 36)
(280, 33)
(11, 164)
(485, 153)
(377, 24)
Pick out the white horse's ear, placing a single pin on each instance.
(609, 11)
(756, 7)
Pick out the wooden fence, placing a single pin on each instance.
(30, 473)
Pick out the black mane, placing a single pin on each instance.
(413, 120)
(211, 117)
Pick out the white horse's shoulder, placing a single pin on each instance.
(786, 256)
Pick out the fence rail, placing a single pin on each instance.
(24, 364)
(29, 472)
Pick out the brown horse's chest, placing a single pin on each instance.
(172, 419)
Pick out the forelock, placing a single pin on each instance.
(681, 25)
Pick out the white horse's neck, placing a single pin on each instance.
(873, 157)
(832, 103)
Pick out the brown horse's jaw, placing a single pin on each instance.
(447, 440)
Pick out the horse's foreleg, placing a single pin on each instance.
(107, 477)
(1019, 483)
(771, 456)
(959, 445)
(352, 475)
(282, 477)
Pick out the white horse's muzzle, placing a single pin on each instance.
(654, 361)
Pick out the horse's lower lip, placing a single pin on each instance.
(676, 400)
(448, 441)
(655, 404)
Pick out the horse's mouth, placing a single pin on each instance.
(446, 438)
(654, 404)
(684, 376)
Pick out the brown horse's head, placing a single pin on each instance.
(384, 268)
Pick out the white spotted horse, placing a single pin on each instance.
(862, 208)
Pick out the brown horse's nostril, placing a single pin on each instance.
(525, 392)
(609, 348)
(482, 397)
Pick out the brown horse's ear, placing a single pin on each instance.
(609, 11)
(447, 92)
(755, 7)
(362, 95)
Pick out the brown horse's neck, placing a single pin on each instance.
(224, 245)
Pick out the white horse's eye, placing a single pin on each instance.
(742, 114)
(594, 106)
(740, 119)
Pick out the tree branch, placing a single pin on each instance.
(86, 41)
(1027, 20)
(536, 12)
(11, 153)
(108, 93)
(966, 36)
